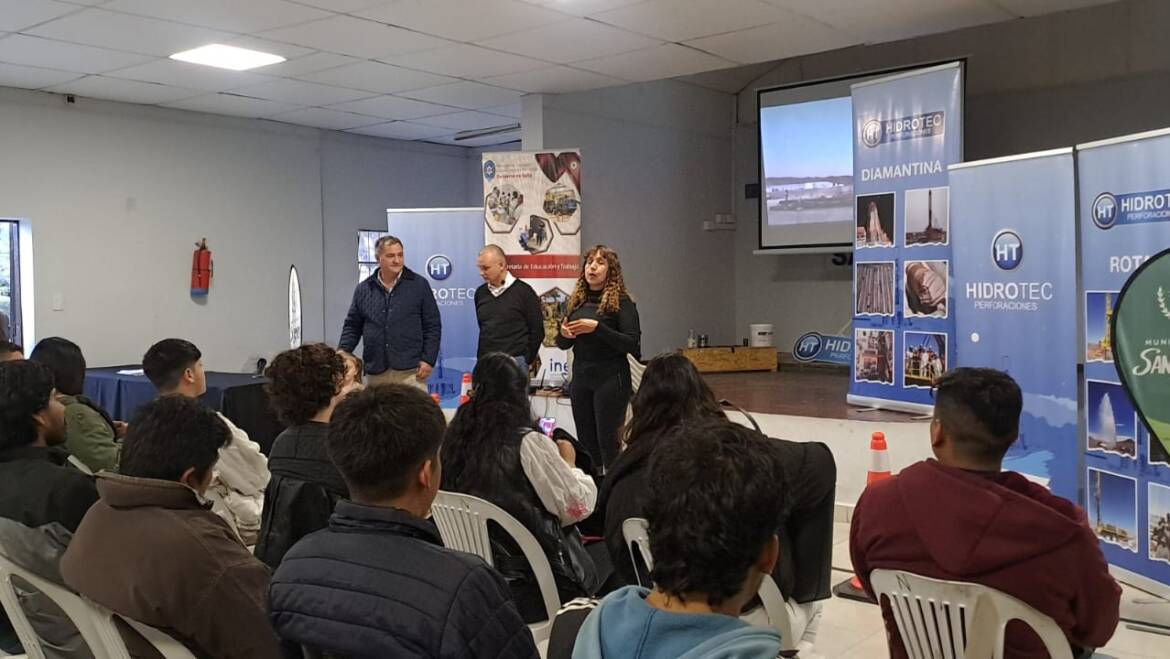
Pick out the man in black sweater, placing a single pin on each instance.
(508, 311)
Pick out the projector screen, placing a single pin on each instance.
(806, 166)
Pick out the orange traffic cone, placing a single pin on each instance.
(879, 468)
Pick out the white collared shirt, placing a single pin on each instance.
(497, 291)
(391, 286)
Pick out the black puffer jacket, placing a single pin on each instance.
(502, 481)
(304, 489)
(378, 583)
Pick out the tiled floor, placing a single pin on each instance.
(852, 630)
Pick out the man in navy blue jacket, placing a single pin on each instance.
(377, 582)
(394, 315)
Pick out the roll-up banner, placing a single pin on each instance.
(442, 244)
(907, 129)
(532, 210)
(1125, 220)
(1015, 299)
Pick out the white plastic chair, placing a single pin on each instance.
(462, 522)
(79, 612)
(636, 531)
(957, 620)
(116, 648)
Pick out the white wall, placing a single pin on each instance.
(1032, 84)
(654, 166)
(118, 194)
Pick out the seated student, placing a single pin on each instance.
(674, 395)
(175, 367)
(151, 550)
(714, 498)
(493, 451)
(959, 517)
(9, 352)
(377, 582)
(91, 435)
(353, 368)
(42, 499)
(306, 385)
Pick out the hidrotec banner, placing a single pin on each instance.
(907, 128)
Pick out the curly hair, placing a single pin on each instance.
(716, 494)
(615, 285)
(672, 394)
(303, 381)
(25, 388)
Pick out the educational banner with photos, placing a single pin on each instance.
(1016, 296)
(1124, 223)
(907, 128)
(532, 210)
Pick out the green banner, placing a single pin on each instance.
(1140, 337)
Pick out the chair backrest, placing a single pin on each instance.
(958, 620)
(78, 612)
(462, 522)
(636, 370)
(636, 531)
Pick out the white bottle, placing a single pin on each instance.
(691, 340)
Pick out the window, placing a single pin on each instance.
(11, 327)
(367, 256)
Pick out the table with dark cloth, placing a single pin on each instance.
(239, 396)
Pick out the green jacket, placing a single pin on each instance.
(89, 436)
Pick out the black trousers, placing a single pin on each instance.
(600, 393)
(806, 536)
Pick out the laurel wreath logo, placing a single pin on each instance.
(1162, 303)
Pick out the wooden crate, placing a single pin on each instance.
(726, 359)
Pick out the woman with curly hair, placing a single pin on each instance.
(306, 384)
(602, 327)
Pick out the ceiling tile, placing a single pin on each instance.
(730, 81)
(511, 110)
(556, 80)
(300, 92)
(401, 130)
(183, 74)
(35, 51)
(16, 15)
(31, 77)
(393, 107)
(230, 15)
(466, 61)
(377, 77)
(680, 20)
(241, 106)
(354, 36)
(322, 118)
(311, 63)
(137, 34)
(1040, 7)
(342, 5)
(129, 91)
(469, 95)
(796, 36)
(571, 41)
(85, 2)
(891, 20)
(460, 20)
(666, 61)
(488, 140)
(467, 120)
(583, 7)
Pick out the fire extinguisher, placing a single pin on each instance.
(202, 269)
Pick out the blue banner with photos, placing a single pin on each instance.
(442, 245)
(907, 128)
(1015, 296)
(1124, 207)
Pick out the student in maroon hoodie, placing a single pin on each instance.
(961, 518)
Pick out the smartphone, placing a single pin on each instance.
(547, 425)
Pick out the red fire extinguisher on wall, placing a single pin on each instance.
(202, 269)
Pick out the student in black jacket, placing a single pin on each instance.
(306, 384)
(377, 582)
(508, 312)
(602, 327)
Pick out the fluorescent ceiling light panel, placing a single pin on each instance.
(227, 57)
